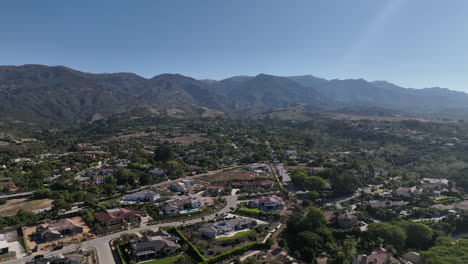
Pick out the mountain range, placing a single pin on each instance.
(57, 94)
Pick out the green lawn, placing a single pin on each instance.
(168, 260)
(250, 210)
(237, 235)
(444, 200)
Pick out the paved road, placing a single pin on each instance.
(16, 195)
(102, 243)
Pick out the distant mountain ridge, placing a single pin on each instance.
(51, 94)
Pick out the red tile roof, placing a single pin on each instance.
(120, 214)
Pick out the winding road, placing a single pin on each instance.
(101, 244)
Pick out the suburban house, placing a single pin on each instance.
(407, 191)
(121, 162)
(258, 167)
(212, 230)
(252, 184)
(176, 205)
(378, 256)
(157, 172)
(144, 196)
(384, 204)
(117, 216)
(411, 258)
(96, 181)
(226, 160)
(347, 220)
(8, 185)
(214, 190)
(330, 217)
(432, 184)
(181, 186)
(60, 229)
(160, 245)
(267, 203)
(239, 224)
(380, 172)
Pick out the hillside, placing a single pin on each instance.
(266, 91)
(38, 94)
(34, 93)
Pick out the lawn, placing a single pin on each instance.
(444, 200)
(168, 260)
(250, 210)
(237, 235)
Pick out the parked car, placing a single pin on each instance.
(38, 256)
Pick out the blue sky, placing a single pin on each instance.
(413, 43)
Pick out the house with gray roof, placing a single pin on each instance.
(144, 196)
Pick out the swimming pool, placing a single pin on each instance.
(188, 211)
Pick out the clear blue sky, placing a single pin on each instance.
(413, 43)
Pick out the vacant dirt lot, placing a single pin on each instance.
(190, 139)
(222, 178)
(13, 206)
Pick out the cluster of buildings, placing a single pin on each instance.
(225, 227)
(159, 245)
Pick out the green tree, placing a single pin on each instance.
(314, 183)
(163, 153)
(391, 235)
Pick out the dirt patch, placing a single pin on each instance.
(222, 178)
(190, 139)
(174, 112)
(128, 136)
(211, 112)
(11, 207)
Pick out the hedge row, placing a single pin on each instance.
(237, 251)
(119, 250)
(192, 248)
